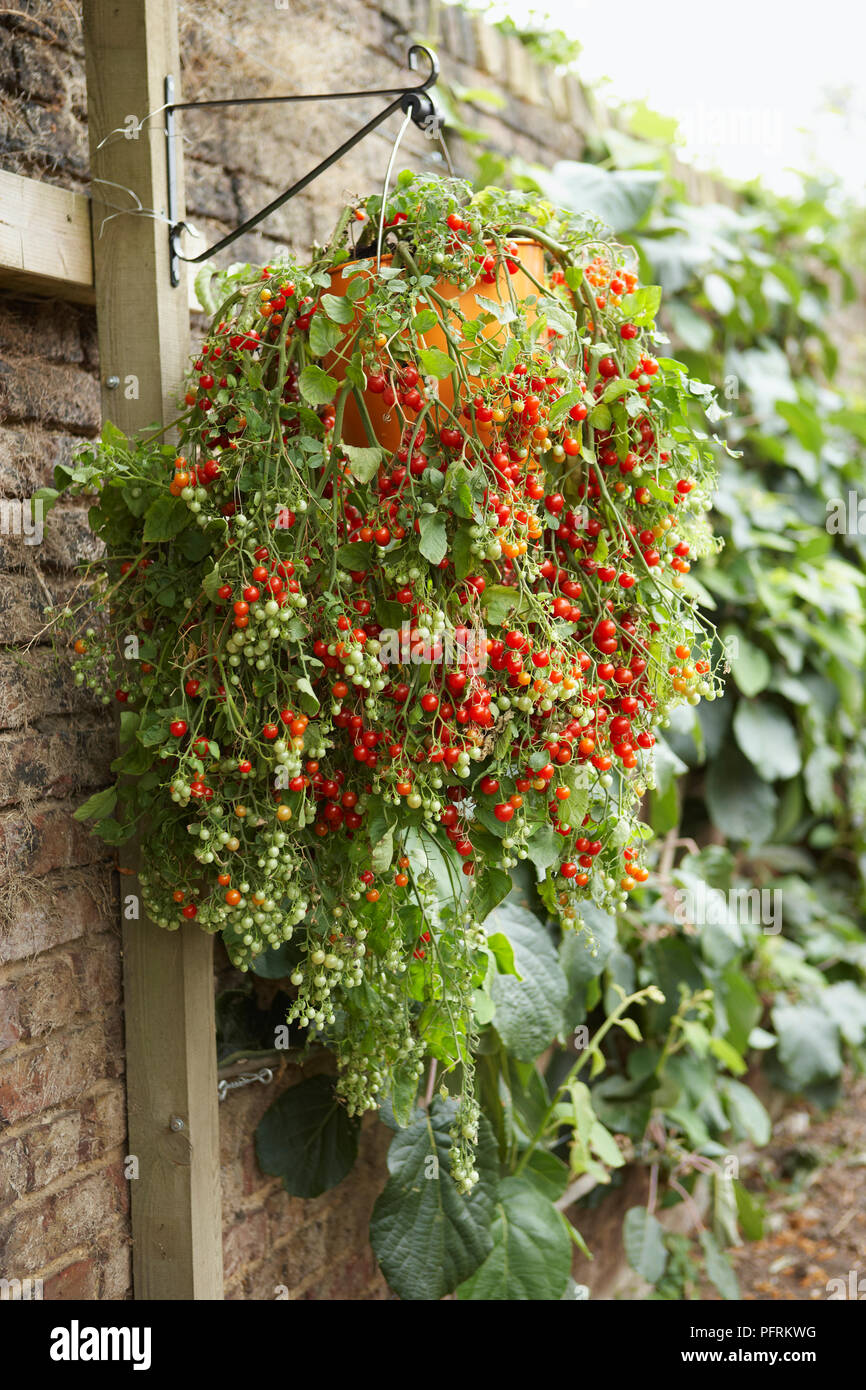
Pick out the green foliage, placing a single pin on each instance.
(307, 1138)
(427, 1236)
(528, 1004)
(531, 1255)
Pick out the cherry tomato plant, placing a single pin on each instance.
(402, 608)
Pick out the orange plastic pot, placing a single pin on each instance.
(388, 422)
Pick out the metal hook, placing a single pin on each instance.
(415, 102)
(433, 76)
(265, 1076)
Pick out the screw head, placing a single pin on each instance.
(112, 383)
(176, 1123)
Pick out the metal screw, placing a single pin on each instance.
(176, 1123)
(112, 383)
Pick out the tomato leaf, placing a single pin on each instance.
(436, 363)
(363, 463)
(324, 335)
(434, 537)
(98, 806)
(316, 387)
(337, 308)
(165, 518)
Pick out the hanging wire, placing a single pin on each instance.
(441, 138)
(394, 148)
(125, 130)
(138, 211)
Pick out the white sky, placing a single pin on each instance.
(753, 82)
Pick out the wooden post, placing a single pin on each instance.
(131, 46)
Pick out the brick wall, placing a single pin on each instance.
(62, 1123)
(63, 1197)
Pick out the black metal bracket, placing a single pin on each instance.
(414, 101)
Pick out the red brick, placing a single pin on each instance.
(59, 1068)
(80, 1212)
(55, 989)
(54, 139)
(47, 838)
(244, 1243)
(51, 394)
(11, 1028)
(24, 1238)
(103, 1122)
(13, 1169)
(29, 455)
(38, 684)
(41, 328)
(64, 541)
(76, 1281)
(52, 1149)
(115, 1266)
(52, 912)
(55, 763)
(22, 598)
(47, 996)
(350, 1278)
(301, 1251)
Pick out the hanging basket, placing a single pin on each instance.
(388, 423)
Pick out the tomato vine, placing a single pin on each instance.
(402, 608)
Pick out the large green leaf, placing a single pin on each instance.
(425, 1235)
(529, 1010)
(768, 738)
(429, 856)
(278, 961)
(490, 890)
(742, 805)
(621, 197)
(749, 663)
(845, 1003)
(363, 465)
(643, 1238)
(808, 1044)
(748, 1116)
(584, 954)
(324, 335)
(672, 961)
(97, 806)
(720, 1271)
(544, 848)
(337, 309)
(546, 1172)
(436, 363)
(821, 763)
(531, 1255)
(307, 1138)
